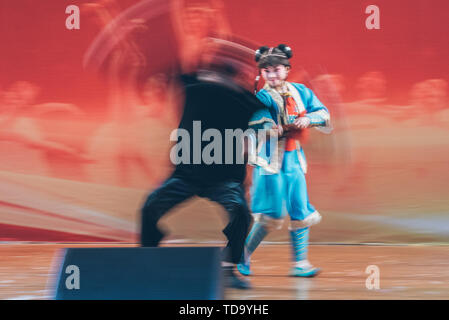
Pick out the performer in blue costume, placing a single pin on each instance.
(279, 184)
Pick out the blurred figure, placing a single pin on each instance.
(132, 140)
(354, 118)
(215, 98)
(155, 92)
(330, 86)
(371, 110)
(19, 123)
(332, 154)
(429, 99)
(372, 87)
(430, 95)
(141, 92)
(193, 22)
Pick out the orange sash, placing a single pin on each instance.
(292, 113)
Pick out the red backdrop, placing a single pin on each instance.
(380, 178)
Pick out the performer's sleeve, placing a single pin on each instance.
(317, 113)
(262, 118)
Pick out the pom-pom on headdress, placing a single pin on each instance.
(266, 56)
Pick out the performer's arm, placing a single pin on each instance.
(262, 119)
(317, 113)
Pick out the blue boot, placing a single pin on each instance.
(255, 237)
(300, 241)
(231, 280)
(244, 269)
(307, 271)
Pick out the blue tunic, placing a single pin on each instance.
(279, 184)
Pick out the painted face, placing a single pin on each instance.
(276, 75)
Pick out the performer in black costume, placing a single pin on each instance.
(216, 97)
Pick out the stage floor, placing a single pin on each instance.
(405, 272)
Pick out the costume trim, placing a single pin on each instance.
(261, 120)
(311, 220)
(269, 223)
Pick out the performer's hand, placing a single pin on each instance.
(278, 129)
(302, 122)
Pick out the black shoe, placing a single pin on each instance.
(231, 280)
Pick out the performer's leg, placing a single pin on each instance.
(303, 215)
(231, 196)
(172, 192)
(267, 206)
(302, 267)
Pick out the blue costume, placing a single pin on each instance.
(279, 184)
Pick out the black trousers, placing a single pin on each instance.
(229, 194)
